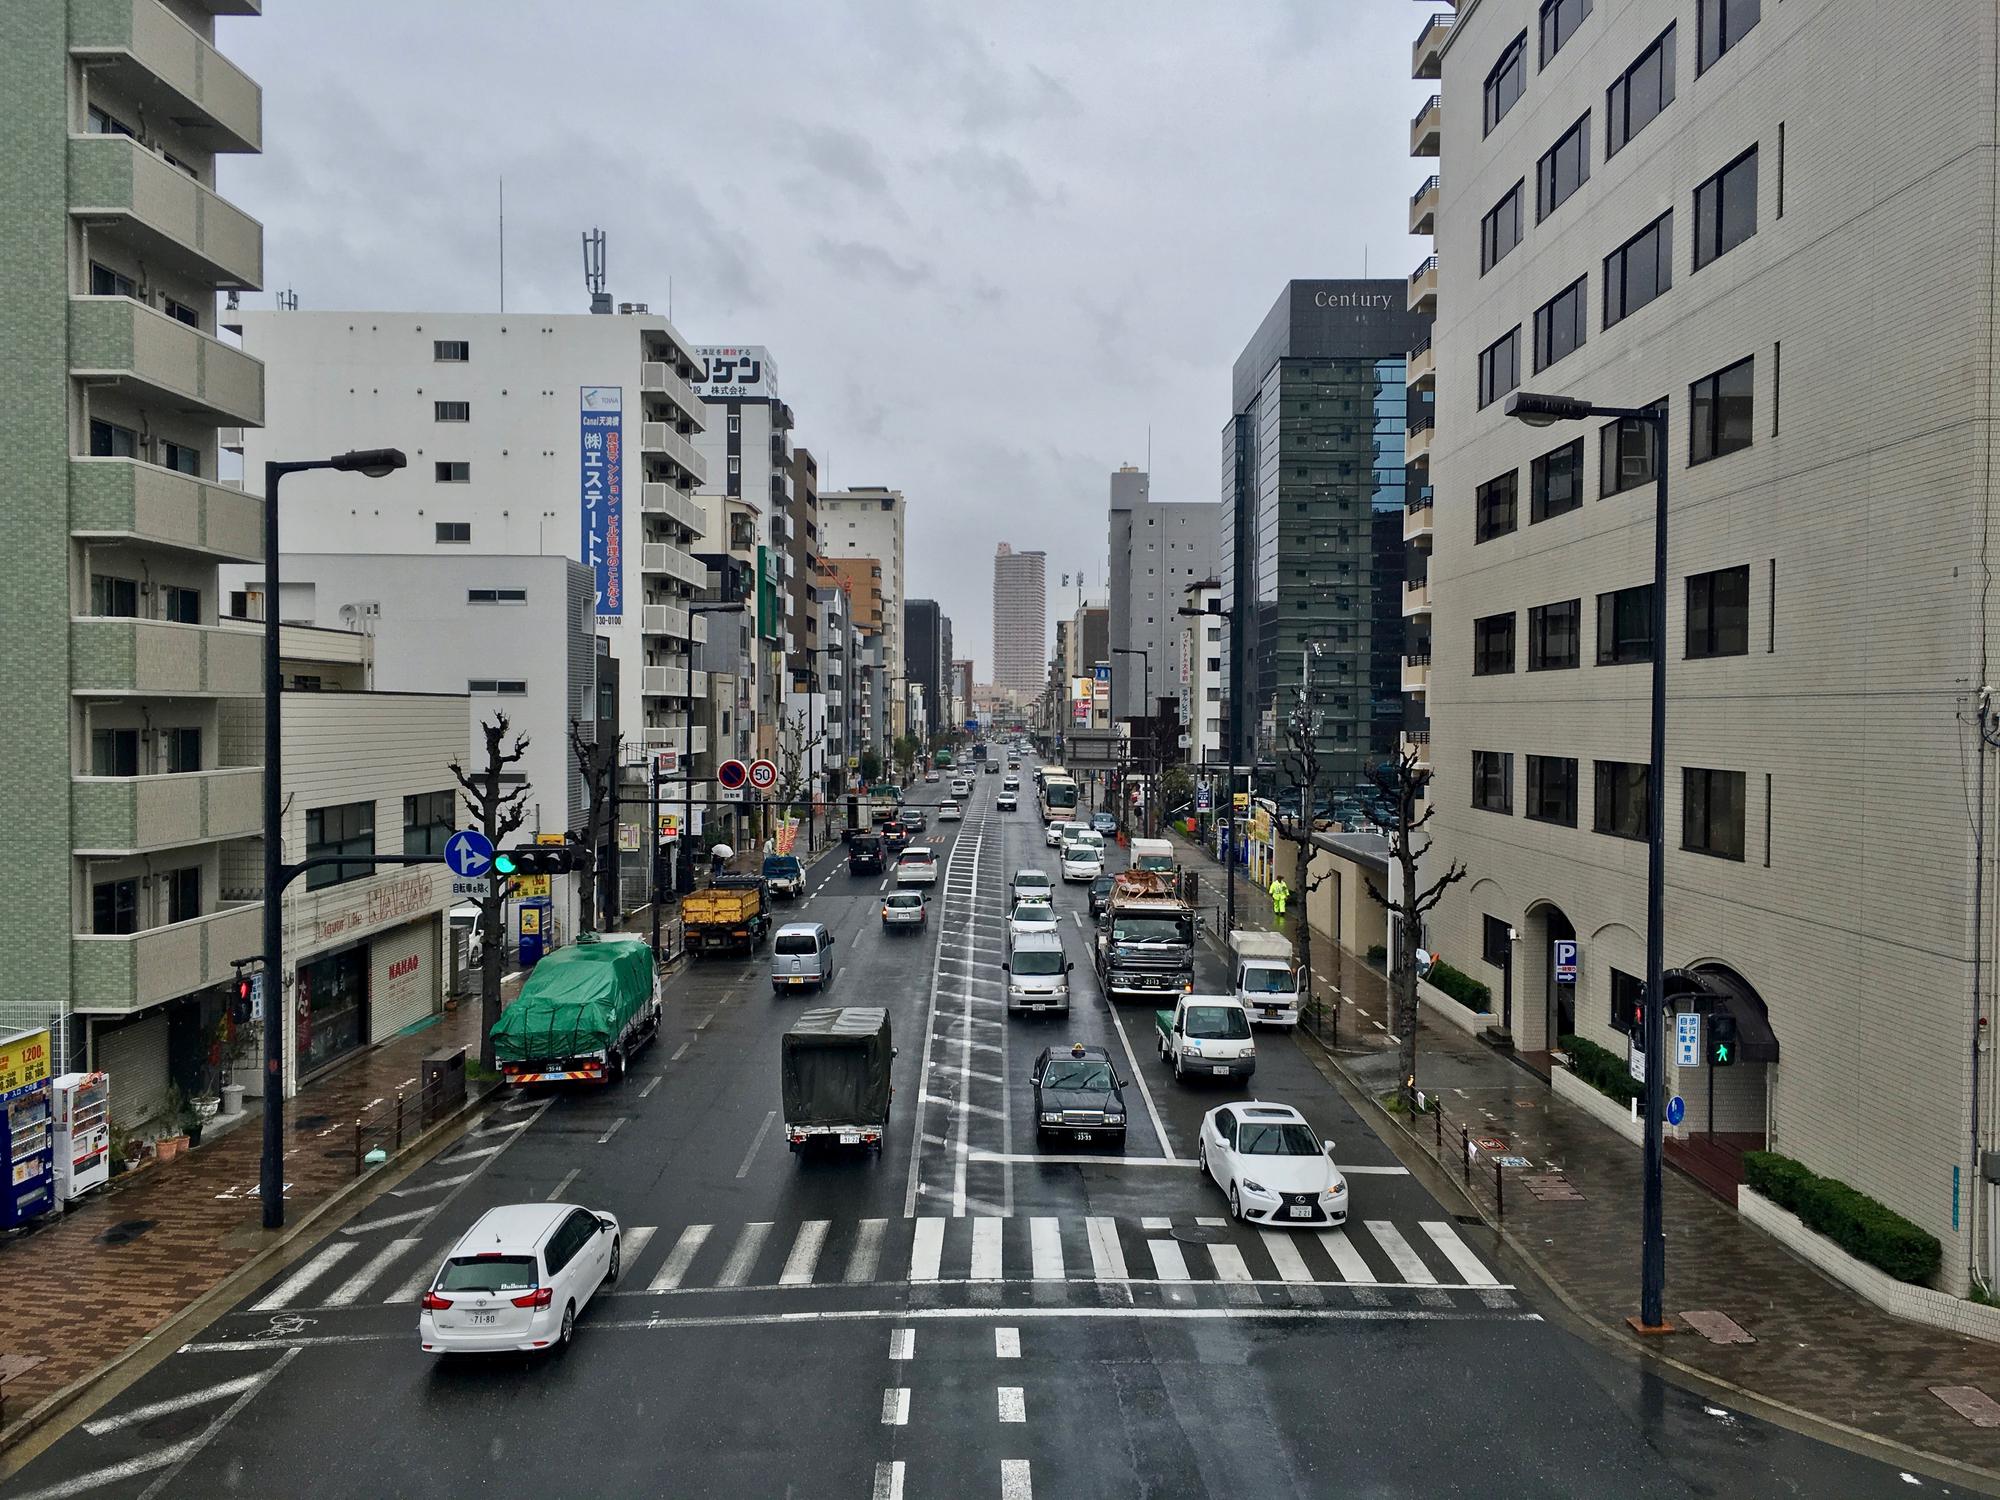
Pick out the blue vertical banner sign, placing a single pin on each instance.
(601, 494)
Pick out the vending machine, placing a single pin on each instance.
(27, 1137)
(82, 1133)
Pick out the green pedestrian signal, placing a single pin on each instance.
(1721, 1040)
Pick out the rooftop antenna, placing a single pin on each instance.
(593, 271)
(503, 244)
(288, 300)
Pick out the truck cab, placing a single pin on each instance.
(785, 876)
(1206, 1036)
(1263, 978)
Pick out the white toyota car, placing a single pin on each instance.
(518, 1279)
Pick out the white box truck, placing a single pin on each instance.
(1263, 978)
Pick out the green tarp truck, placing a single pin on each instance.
(581, 1016)
(836, 1077)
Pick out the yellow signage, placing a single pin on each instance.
(530, 886)
(1242, 801)
(1260, 825)
(670, 827)
(531, 919)
(24, 1060)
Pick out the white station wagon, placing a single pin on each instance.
(518, 1279)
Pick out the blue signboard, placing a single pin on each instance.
(1676, 1110)
(1687, 1039)
(1103, 673)
(469, 853)
(601, 499)
(1565, 961)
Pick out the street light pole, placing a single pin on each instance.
(1146, 687)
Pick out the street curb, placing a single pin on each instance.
(198, 1313)
(1617, 1339)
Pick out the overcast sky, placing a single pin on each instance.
(988, 246)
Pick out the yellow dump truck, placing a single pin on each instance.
(731, 915)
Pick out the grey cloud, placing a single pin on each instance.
(996, 176)
(842, 155)
(873, 263)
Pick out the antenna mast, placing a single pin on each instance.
(593, 271)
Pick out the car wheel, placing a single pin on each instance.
(1180, 1073)
(1235, 1203)
(611, 1271)
(1201, 1156)
(568, 1326)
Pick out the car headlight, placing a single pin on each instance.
(1338, 1190)
(1191, 1048)
(1051, 1117)
(1114, 1119)
(1254, 1187)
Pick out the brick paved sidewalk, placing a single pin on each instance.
(80, 1297)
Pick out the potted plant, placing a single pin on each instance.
(173, 1118)
(194, 1115)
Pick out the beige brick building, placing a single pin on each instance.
(1781, 219)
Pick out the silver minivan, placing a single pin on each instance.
(801, 957)
(1037, 972)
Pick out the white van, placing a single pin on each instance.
(801, 955)
(1037, 972)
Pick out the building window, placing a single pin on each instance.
(1725, 209)
(1496, 942)
(1712, 812)
(496, 596)
(1507, 82)
(183, 893)
(451, 351)
(1720, 25)
(102, 123)
(453, 473)
(1719, 413)
(1500, 366)
(1563, 169)
(1554, 632)
(180, 458)
(1494, 508)
(1493, 781)
(1500, 230)
(1625, 626)
(114, 907)
(454, 531)
(451, 411)
(114, 752)
(1493, 645)
(1628, 1001)
(180, 312)
(1552, 790)
(427, 824)
(179, 604)
(117, 597)
(1560, 18)
(1640, 93)
(346, 829)
(1555, 482)
(1622, 802)
(1626, 455)
(182, 749)
(105, 282)
(1562, 323)
(1639, 270)
(505, 687)
(1718, 613)
(108, 440)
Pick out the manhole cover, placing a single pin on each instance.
(1201, 1234)
(126, 1232)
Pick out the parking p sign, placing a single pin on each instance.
(1565, 961)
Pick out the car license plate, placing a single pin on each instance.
(481, 1320)
(1301, 1211)
(1083, 1135)
(795, 981)
(1271, 1010)
(850, 1137)
(1219, 1069)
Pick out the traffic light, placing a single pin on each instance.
(1635, 1011)
(540, 859)
(1721, 1040)
(241, 998)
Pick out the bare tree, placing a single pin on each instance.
(597, 764)
(499, 814)
(1403, 780)
(1301, 759)
(795, 771)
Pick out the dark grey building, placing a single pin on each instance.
(1311, 536)
(924, 660)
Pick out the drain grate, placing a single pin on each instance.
(125, 1232)
(1468, 1218)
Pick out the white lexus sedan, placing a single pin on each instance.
(1274, 1170)
(518, 1279)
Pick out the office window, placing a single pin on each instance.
(180, 312)
(114, 596)
(451, 411)
(1493, 781)
(451, 351)
(1493, 645)
(1496, 942)
(1719, 413)
(1718, 613)
(179, 604)
(1639, 270)
(454, 473)
(496, 596)
(1500, 366)
(1628, 996)
(183, 893)
(454, 531)
(1560, 18)
(1720, 25)
(1562, 323)
(1725, 209)
(105, 282)
(1554, 632)
(1552, 790)
(1494, 508)
(1625, 626)
(1507, 82)
(1500, 230)
(181, 749)
(427, 823)
(114, 907)
(114, 752)
(1563, 169)
(1622, 802)
(180, 458)
(1555, 482)
(1712, 812)
(348, 828)
(1626, 457)
(108, 440)
(506, 687)
(1639, 93)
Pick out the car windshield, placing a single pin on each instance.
(797, 942)
(1136, 929)
(1031, 880)
(1285, 1139)
(1039, 965)
(1100, 885)
(1269, 982)
(906, 899)
(1162, 863)
(1216, 1022)
(1085, 1073)
(1034, 911)
(487, 1273)
(780, 864)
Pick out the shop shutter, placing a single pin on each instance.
(403, 977)
(135, 1055)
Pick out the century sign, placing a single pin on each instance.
(1350, 299)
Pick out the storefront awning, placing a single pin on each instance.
(1711, 990)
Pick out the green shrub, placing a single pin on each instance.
(1601, 1068)
(1865, 1229)
(1461, 986)
(1377, 956)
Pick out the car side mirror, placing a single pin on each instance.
(1329, 1150)
(1069, 967)
(1006, 968)
(605, 1225)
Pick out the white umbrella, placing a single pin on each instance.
(721, 851)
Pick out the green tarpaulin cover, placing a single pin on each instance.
(836, 1067)
(578, 1000)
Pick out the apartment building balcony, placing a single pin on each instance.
(149, 54)
(781, 452)
(657, 499)
(1417, 520)
(132, 970)
(122, 499)
(1420, 368)
(1417, 441)
(113, 655)
(672, 737)
(1417, 673)
(1424, 207)
(669, 682)
(133, 814)
(159, 361)
(659, 438)
(666, 559)
(658, 378)
(1416, 599)
(1424, 287)
(663, 619)
(1427, 52)
(1417, 742)
(174, 222)
(1427, 127)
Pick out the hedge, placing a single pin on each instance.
(1865, 1229)
(1462, 987)
(1377, 956)
(1601, 1068)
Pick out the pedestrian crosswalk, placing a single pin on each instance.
(937, 1252)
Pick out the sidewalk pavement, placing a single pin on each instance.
(1818, 1351)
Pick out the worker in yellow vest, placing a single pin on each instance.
(1280, 894)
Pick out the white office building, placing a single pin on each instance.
(867, 521)
(1198, 673)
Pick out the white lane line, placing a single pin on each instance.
(680, 1052)
(1016, 1480)
(1045, 1241)
(743, 1255)
(562, 1187)
(986, 1250)
(1348, 1171)
(800, 1264)
(1156, 1221)
(1406, 1260)
(1107, 1256)
(503, 1128)
(403, 1218)
(633, 1240)
(1229, 1264)
(185, 1452)
(889, 1480)
(613, 1130)
(1346, 1259)
(756, 1141)
(1168, 1262)
(452, 1161)
(429, 1187)
(867, 1256)
(896, 1406)
(1212, 1223)
(1285, 1255)
(1006, 1343)
(287, 1291)
(1139, 1077)
(651, 1084)
(407, 1289)
(902, 1343)
(680, 1257)
(1463, 1261)
(927, 1249)
(350, 1290)
(1031, 1158)
(171, 1405)
(1013, 1403)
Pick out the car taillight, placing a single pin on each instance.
(436, 1303)
(885, 911)
(541, 1296)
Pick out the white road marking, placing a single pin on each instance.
(1285, 1256)
(861, 1265)
(804, 1258)
(743, 1255)
(1139, 1077)
(562, 1187)
(1229, 1264)
(680, 1257)
(1346, 1259)
(1168, 1262)
(1045, 1240)
(927, 1249)
(1413, 1270)
(651, 1084)
(612, 1130)
(1006, 1343)
(889, 1480)
(350, 1290)
(896, 1406)
(1347, 1171)
(502, 1128)
(1016, 1480)
(986, 1250)
(1107, 1256)
(1458, 1253)
(287, 1291)
(402, 1218)
(452, 1161)
(407, 1290)
(171, 1405)
(1030, 1158)
(751, 1155)
(429, 1187)
(680, 1052)
(902, 1343)
(1013, 1403)
(1156, 1221)
(633, 1241)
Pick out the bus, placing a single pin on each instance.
(1057, 797)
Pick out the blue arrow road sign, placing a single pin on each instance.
(469, 853)
(1676, 1110)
